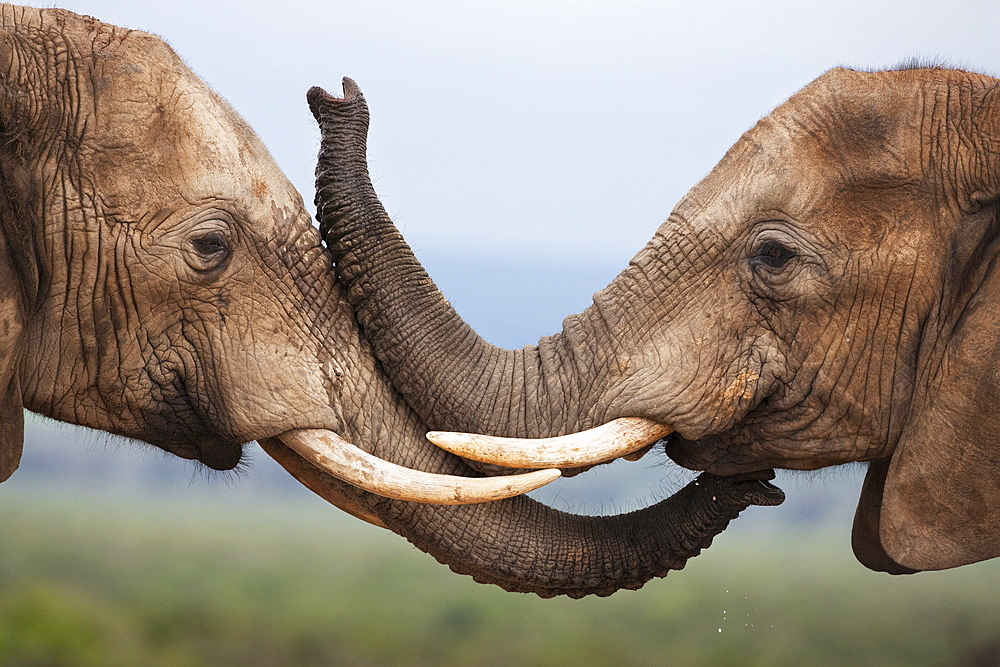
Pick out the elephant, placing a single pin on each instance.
(828, 293)
(162, 281)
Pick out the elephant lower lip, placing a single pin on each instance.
(217, 454)
(707, 455)
(222, 458)
(702, 455)
(690, 454)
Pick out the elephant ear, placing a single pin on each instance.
(936, 503)
(865, 538)
(11, 342)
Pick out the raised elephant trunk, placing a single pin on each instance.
(531, 392)
(453, 378)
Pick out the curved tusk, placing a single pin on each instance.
(327, 487)
(617, 438)
(335, 456)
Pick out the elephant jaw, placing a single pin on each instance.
(331, 454)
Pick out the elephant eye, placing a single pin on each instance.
(211, 250)
(773, 255)
(211, 244)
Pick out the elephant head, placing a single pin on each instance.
(828, 293)
(161, 280)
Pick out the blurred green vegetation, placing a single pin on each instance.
(113, 580)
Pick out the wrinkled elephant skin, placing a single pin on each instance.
(827, 294)
(160, 279)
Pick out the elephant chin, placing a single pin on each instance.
(696, 454)
(217, 454)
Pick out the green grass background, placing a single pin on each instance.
(144, 569)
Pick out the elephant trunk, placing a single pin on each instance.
(453, 378)
(551, 553)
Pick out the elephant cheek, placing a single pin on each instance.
(292, 390)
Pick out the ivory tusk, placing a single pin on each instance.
(323, 485)
(335, 456)
(617, 438)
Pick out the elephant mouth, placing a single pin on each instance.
(699, 455)
(726, 454)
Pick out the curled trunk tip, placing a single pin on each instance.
(318, 98)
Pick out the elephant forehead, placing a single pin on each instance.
(882, 129)
(161, 138)
(846, 153)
